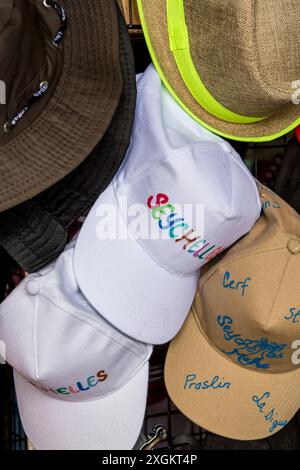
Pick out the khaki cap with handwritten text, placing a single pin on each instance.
(234, 367)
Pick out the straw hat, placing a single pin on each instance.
(234, 65)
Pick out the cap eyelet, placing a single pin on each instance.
(46, 4)
(44, 84)
(6, 127)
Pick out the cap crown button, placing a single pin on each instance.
(33, 287)
(294, 246)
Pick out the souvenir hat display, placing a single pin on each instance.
(60, 62)
(35, 233)
(176, 240)
(142, 273)
(234, 65)
(80, 383)
(234, 368)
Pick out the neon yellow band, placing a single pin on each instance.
(179, 46)
(250, 138)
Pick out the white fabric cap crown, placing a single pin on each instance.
(56, 342)
(173, 169)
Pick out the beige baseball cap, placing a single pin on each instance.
(234, 367)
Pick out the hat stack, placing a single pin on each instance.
(164, 196)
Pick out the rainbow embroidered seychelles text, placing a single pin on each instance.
(198, 246)
(78, 387)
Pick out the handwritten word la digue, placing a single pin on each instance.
(164, 213)
(270, 413)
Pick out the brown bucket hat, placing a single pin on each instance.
(60, 63)
(234, 65)
(234, 368)
(35, 232)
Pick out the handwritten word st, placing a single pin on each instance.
(294, 315)
(239, 286)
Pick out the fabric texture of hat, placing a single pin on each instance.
(234, 65)
(35, 233)
(80, 383)
(182, 196)
(234, 366)
(60, 62)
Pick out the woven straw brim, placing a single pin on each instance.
(79, 112)
(230, 412)
(36, 232)
(154, 21)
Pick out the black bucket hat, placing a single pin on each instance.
(34, 233)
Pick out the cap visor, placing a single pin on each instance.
(250, 408)
(126, 286)
(110, 423)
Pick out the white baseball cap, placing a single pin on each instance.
(80, 383)
(145, 285)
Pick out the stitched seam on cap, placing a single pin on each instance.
(230, 257)
(231, 188)
(277, 293)
(138, 175)
(251, 179)
(35, 336)
(91, 323)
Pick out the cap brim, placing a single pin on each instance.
(153, 16)
(126, 286)
(244, 410)
(110, 423)
(35, 233)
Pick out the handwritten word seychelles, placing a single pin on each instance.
(250, 352)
